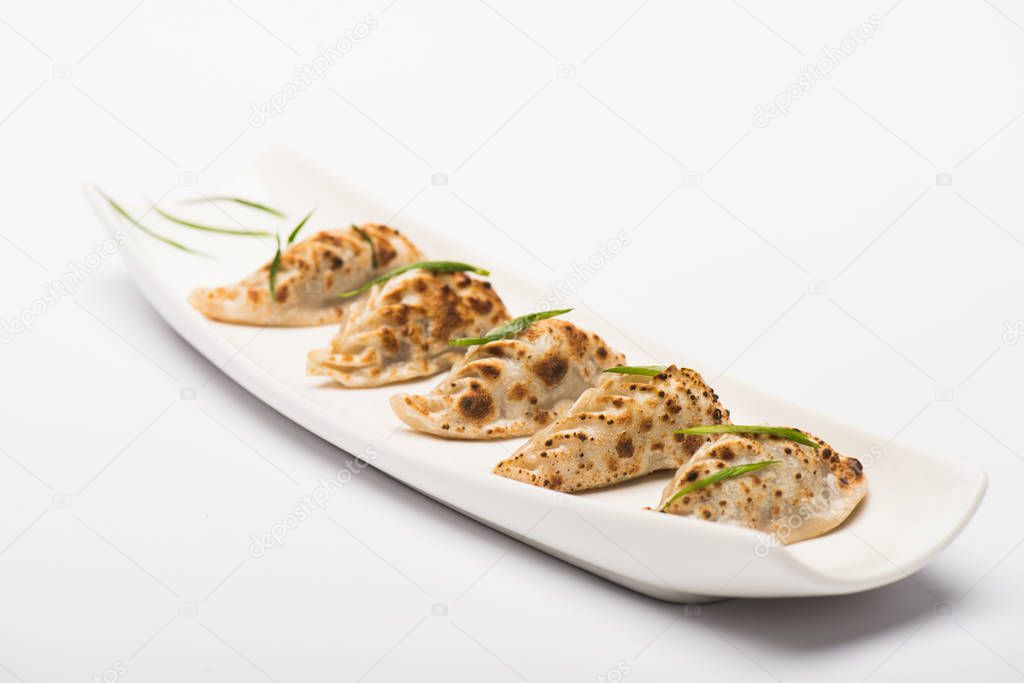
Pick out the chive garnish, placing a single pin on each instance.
(276, 263)
(507, 330)
(784, 432)
(373, 247)
(720, 475)
(155, 235)
(237, 200)
(433, 266)
(210, 228)
(647, 370)
(302, 223)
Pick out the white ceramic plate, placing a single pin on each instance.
(917, 502)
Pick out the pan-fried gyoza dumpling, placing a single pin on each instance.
(511, 387)
(400, 330)
(310, 276)
(619, 430)
(808, 492)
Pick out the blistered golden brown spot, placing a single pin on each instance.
(551, 370)
(577, 339)
(858, 469)
(496, 350)
(482, 306)
(624, 447)
(476, 405)
(388, 340)
(448, 317)
(397, 315)
(328, 238)
(490, 370)
(692, 442)
(386, 252)
(517, 392)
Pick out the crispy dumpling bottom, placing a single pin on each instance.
(312, 273)
(511, 387)
(400, 330)
(620, 430)
(807, 493)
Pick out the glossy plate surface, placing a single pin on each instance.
(917, 502)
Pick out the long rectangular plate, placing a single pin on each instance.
(917, 502)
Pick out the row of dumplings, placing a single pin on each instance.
(537, 377)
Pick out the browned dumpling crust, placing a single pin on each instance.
(807, 493)
(511, 387)
(400, 330)
(312, 273)
(620, 430)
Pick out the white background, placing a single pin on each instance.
(817, 257)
